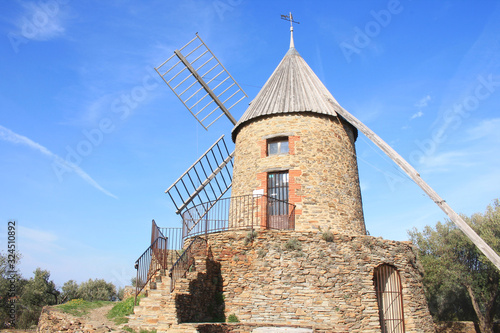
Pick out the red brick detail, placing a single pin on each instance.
(263, 148)
(293, 186)
(291, 144)
(262, 177)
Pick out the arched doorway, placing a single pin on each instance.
(390, 298)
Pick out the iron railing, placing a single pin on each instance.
(240, 212)
(175, 244)
(186, 261)
(155, 232)
(149, 263)
(174, 236)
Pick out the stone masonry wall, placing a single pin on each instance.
(323, 172)
(288, 277)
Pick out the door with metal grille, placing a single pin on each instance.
(390, 299)
(277, 191)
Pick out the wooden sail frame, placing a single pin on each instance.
(201, 82)
(208, 179)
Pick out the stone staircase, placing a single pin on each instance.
(158, 311)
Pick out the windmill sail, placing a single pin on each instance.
(208, 179)
(414, 175)
(201, 82)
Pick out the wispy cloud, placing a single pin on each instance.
(446, 160)
(9, 136)
(38, 240)
(422, 103)
(487, 128)
(417, 115)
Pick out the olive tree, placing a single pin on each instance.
(460, 282)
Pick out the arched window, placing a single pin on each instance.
(390, 299)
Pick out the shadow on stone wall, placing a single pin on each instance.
(204, 302)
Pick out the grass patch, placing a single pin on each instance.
(327, 235)
(293, 245)
(128, 329)
(232, 318)
(261, 253)
(250, 237)
(122, 309)
(79, 307)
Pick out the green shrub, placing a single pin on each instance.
(261, 253)
(69, 291)
(293, 244)
(327, 236)
(96, 290)
(250, 237)
(232, 318)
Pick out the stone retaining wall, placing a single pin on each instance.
(299, 278)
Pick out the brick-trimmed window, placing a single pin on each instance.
(277, 146)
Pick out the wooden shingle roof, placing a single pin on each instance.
(293, 87)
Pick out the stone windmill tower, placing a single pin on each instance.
(293, 146)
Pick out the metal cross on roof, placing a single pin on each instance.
(289, 18)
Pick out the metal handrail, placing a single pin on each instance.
(149, 263)
(156, 232)
(186, 261)
(238, 212)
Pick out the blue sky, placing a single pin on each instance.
(90, 137)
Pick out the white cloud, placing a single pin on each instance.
(423, 102)
(487, 128)
(417, 115)
(37, 240)
(445, 161)
(7, 135)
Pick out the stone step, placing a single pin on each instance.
(158, 293)
(182, 328)
(158, 309)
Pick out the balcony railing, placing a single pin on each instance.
(240, 212)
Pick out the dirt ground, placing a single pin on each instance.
(97, 318)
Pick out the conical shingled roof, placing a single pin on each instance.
(293, 87)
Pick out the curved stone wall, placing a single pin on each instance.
(322, 166)
(289, 277)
